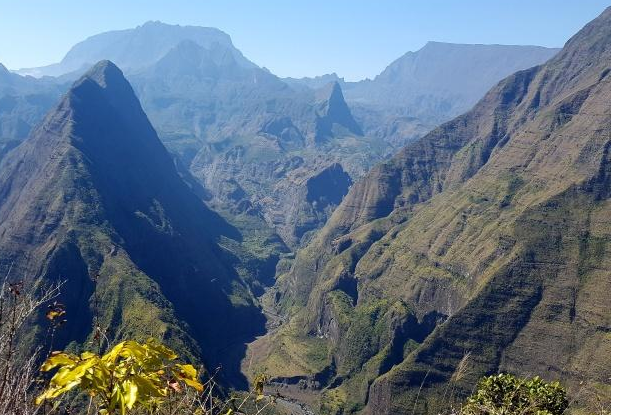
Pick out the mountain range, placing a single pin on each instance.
(375, 247)
(437, 82)
(483, 247)
(249, 138)
(93, 198)
(133, 49)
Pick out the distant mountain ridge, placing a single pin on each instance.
(23, 103)
(439, 81)
(133, 49)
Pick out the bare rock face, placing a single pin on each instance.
(494, 227)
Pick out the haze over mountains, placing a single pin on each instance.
(328, 233)
(433, 83)
(250, 138)
(23, 103)
(133, 49)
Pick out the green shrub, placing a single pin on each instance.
(129, 373)
(506, 394)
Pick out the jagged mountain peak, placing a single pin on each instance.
(102, 92)
(99, 120)
(332, 109)
(332, 91)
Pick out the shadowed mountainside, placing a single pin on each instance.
(93, 197)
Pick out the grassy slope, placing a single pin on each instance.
(498, 220)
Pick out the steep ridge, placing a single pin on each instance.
(243, 132)
(92, 197)
(489, 237)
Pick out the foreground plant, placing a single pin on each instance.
(18, 370)
(130, 374)
(213, 400)
(506, 394)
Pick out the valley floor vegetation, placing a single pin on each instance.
(134, 377)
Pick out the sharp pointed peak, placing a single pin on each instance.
(330, 91)
(105, 82)
(335, 87)
(104, 73)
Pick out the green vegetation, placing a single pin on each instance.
(506, 394)
(130, 373)
(130, 378)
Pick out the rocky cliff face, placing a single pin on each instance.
(490, 233)
(305, 200)
(93, 197)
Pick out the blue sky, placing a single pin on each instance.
(355, 38)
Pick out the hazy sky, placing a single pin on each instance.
(355, 38)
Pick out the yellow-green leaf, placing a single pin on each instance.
(130, 393)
